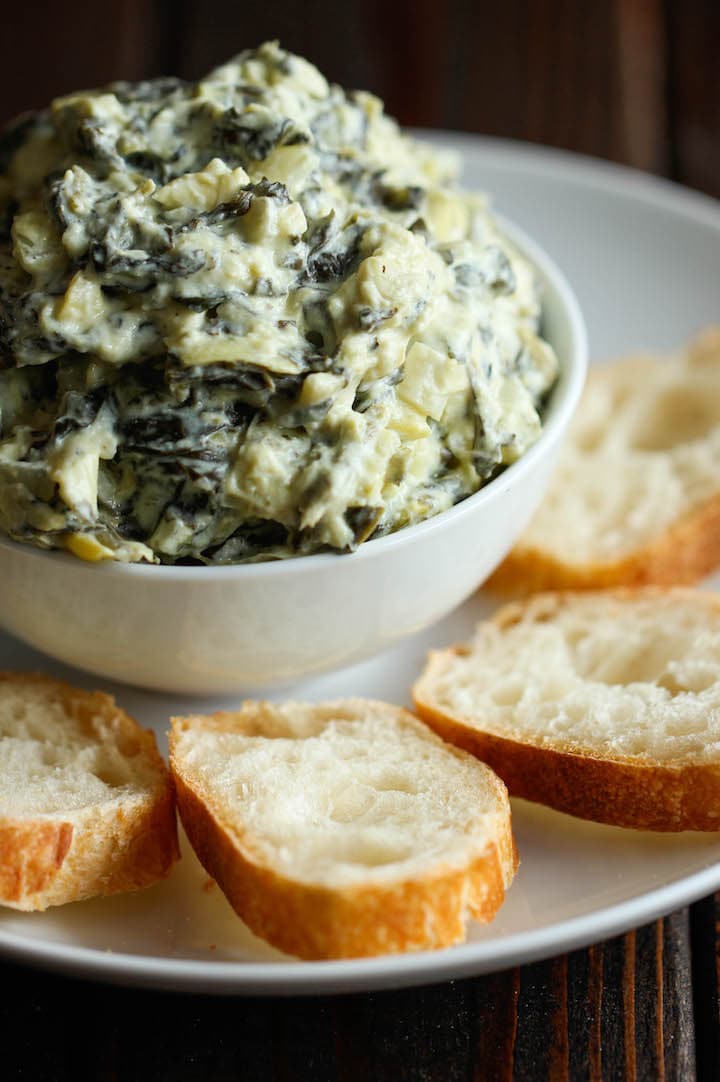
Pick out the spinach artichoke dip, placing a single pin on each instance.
(248, 318)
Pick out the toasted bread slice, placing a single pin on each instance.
(86, 802)
(342, 829)
(635, 498)
(604, 705)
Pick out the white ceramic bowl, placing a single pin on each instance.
(209, 630)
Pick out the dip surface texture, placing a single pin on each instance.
(247, 318)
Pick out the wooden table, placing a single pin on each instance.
(641, 1007)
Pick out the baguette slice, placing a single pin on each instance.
(86, 802)
(342, 829)
(635, 498)
(604, 705)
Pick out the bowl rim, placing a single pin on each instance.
(564, 399)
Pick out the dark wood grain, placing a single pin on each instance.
(494, 1018)
(541, 1044)
(48, 49)
(678, 1024)
(419, 1033)
(641, 48)
(585, 976)
(705, 925)
(631, 80)
(621, 1011)
(693, 31)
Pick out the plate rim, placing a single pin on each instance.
(625, 180)
(296, 977)
(491, 955)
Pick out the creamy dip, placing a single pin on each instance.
(248, 318)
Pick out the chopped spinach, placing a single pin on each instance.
(234, 303)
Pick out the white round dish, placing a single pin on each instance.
(645, 258)
(214, 630)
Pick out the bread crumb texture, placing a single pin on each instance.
(86, 802)
(58, 755)
(635, 497)
(605, 704)
(632, 675)
(352, 816)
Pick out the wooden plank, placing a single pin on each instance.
(302, 1039)
(705, 930)
(99, 43)
(648, 1007)
(494, 1032)
(642, 57)
(619, 1011)
(694, 92)
(678, 1014)
(617, 1016)
(544, 71)
(413, 61)
(542, 1042)
(585, 974)
(344, 53)
(404, 1036)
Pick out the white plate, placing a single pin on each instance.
(644, 257)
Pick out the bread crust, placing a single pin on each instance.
(621, 791)
(120, 846)
(549, 604)
(318, 922)
(31, 856)
(684, 553)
